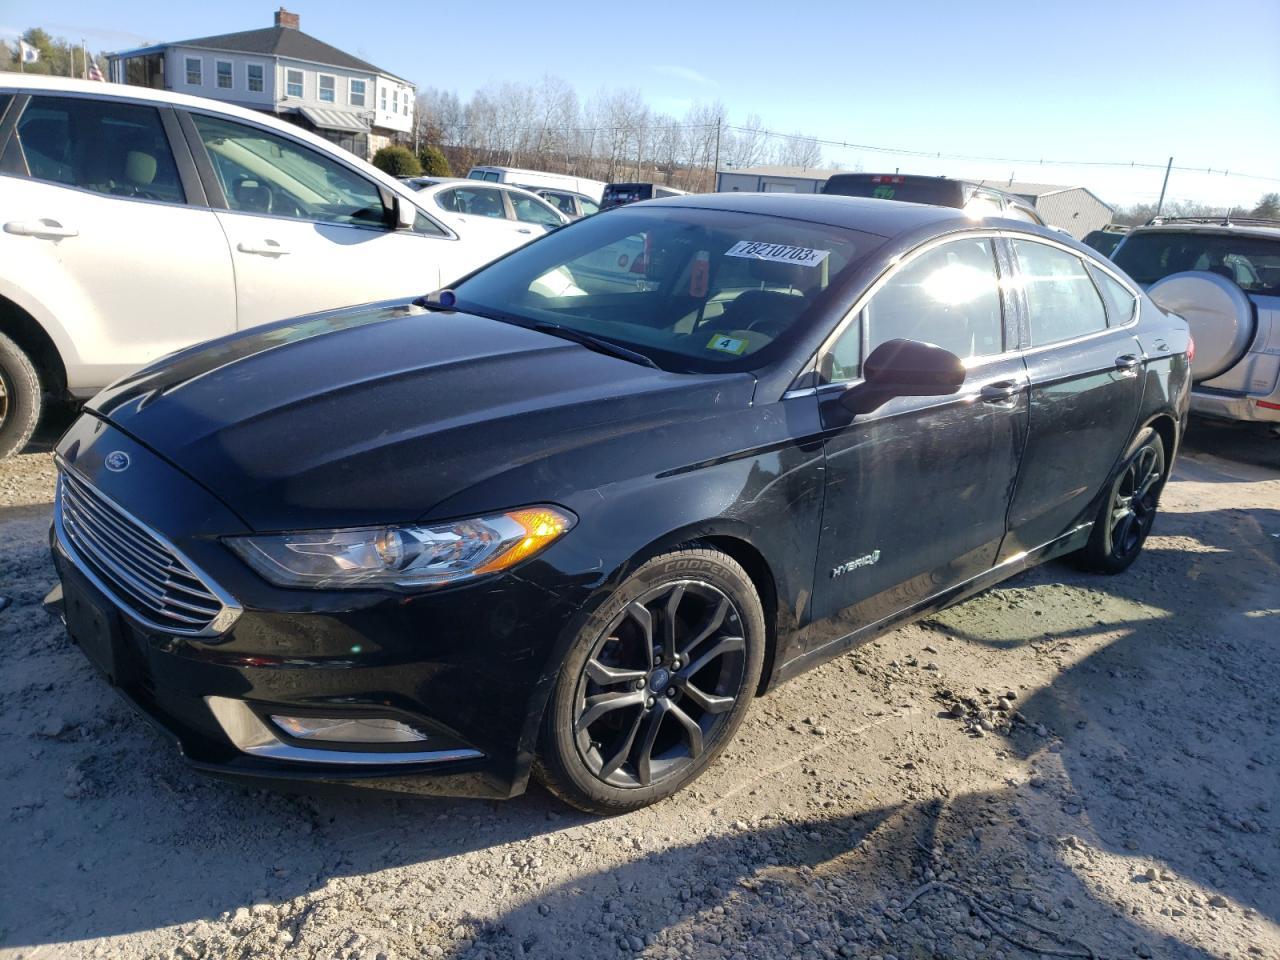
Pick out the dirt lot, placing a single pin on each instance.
(1123, 799)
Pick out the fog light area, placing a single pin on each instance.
(349, 729)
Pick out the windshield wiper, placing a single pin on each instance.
(598, 344)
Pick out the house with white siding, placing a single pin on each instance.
(281, 70)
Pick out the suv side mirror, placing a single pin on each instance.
(904, 368)
(406, 213)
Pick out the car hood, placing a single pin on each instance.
(381, 414)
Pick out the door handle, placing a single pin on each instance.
(524, 230)
(1127, 363)
(267, 248)
(1002, 391)
(45, 229)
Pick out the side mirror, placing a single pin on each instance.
(904, 368)
(406, 213)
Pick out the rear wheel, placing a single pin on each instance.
(19, 397)
(656, 685)
(1129, 510)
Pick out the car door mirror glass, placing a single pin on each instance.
(904, 368)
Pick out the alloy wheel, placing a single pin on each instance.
(4, 398)
(658, 687)
(1133, 502)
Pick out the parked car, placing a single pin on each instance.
(532, 179)
(1107, 239)
(977, 200)
(617, 194)
(136, 222)
(496, 216)
(440, 545)
(575, 206)
(1223, 276)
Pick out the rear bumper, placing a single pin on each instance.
(1222, 406)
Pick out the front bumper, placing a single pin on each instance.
(468, 666)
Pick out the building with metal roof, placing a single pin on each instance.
(772, 179)
(281, 70)
(1076, 210)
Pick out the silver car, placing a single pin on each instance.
(1223, 276)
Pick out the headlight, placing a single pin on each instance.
(404, 556)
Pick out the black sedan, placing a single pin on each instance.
(570, 517)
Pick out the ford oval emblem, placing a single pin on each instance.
(117, 461)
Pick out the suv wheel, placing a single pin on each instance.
(19, 397)
(655, 686)
(1129, 510)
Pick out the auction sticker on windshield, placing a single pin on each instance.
(780, 252)
(727, 344)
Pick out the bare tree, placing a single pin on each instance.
(798, 150)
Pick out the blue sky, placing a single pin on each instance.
(1084, 80)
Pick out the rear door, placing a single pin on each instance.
(308, 232)
(918, 490)
(98, 224)
(1086, 389)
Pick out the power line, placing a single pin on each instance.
(939, 155)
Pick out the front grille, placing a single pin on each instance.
(136, 566)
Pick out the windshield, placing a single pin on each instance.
(1252, 262)
(932, 190)
(692, 289)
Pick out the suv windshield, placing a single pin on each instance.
(694, 290)
(1251, 261)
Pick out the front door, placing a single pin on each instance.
(1086, 389)
(309, 233)
(917, 491)
(95, 222)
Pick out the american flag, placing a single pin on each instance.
(94, 73)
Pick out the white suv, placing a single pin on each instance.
(1223, 277)
(134, 222)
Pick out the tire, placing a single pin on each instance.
(1125, 520)
(629, 721)
(20, 398)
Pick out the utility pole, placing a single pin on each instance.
(715, 173)
(1164, 186)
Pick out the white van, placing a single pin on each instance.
(536, 179)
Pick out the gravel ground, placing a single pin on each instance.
(1067, 765)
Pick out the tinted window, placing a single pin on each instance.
(1252, 262)
(1061, 298)
(1119, 301)
(934, 190)
(114, 148)
(561, 201)
(475, 202)
(588, 207)
(694, 289)
(4, 103)
(267, 174)
(531, 210)
(949, 296)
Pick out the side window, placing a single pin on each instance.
(844, 361)
(253, 74)
(562, 201)
(355, 92)
(268, 174)
(1120, 302)
(224, 69)
(328, 88)
(473, 202)
(195, 71)
(293, 83)
(529, 210)
(949, 296)
(1061, 298)
(983, 205)
(113, 148)
(589, 207)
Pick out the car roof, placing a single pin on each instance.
(887, 218)
(1219, 225)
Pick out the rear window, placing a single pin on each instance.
(695, 290)
(1252, 262)
(932, 190)
(627, 192)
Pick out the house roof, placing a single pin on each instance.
(278, 42)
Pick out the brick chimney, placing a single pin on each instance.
(286, 19)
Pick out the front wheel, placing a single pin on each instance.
(656, 684)
(19, 398)
(1129, 510)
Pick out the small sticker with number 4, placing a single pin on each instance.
(727, 344)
